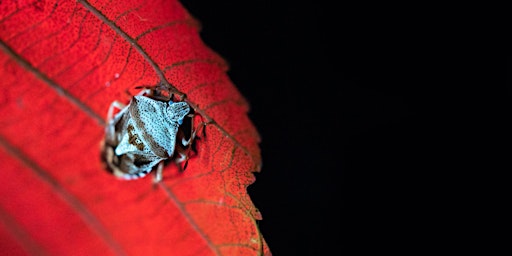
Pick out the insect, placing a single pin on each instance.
(145, 133)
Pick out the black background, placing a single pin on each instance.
(327, 97)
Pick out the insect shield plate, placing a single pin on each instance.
(142, 135)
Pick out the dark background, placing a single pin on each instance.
(327, 92)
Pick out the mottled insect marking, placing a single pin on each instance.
(134, 139)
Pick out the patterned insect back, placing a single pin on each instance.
(141, 135)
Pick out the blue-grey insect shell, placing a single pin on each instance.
(145, 134)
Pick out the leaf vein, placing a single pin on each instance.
(222, 102)
(94, 67)
(80, 28)
(201, 85)
(186, 62)
(51, 35)
(58, 88)
(190, 22)
(126, 37)
(120, 75)
(218, 149)
(181, 208)
(14, 228)
(13, 13)
(35, 25)
(82, 58)
(71, 200)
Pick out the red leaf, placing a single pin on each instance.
(62, 64)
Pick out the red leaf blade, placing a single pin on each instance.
(63, 63)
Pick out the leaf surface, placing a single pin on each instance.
(62, 63)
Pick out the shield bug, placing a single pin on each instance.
(145, 133)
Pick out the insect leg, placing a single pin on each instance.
(158, 92)
(158, 173)
(144, 91)
(183, 157)
(194, 131)
(112, 120)
(114, 105)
